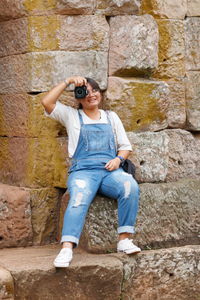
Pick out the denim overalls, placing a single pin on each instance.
(96, 146)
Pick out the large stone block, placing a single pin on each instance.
(133, 45)
(193, 8)
(12, 9)
(141, 104)
(6, 285)
(48, 33)
(192, 38)
(150, 155)
(22, 115)
(39, 71)
(171, 49)
(193, 100)
(163, 274)
(169, 215)
(184, 153)
(115, 7)
(15, 217)
(44, 214)
(158, 274)
(33, 162)
(168, 9)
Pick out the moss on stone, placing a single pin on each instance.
(35, 5)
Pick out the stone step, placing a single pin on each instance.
(163, 274)
(169, 215)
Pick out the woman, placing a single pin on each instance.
(97, 146)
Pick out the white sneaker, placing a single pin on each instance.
(63, 258)
(127, 247)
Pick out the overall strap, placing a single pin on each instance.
(113, 129)
(80, 118)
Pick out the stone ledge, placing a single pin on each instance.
(157, 274)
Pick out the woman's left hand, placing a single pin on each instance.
(113, 164)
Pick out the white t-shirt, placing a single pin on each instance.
(68, 116)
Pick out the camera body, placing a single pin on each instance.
(80, 92)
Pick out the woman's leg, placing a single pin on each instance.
(82, 187)
(122, 186)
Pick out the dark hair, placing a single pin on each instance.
(94, 86)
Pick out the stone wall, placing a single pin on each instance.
(145, 56)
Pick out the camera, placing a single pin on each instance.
(80, 92)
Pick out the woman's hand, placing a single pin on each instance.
(113, 164)
(76, 80)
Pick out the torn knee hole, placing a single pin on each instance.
(127, 188)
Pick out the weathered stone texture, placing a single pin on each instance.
(6, 285)
(167, 274)
(141, 104)
(48, 33)
(193, 8)
(15, 217)
(171, 49)
(193, 100)
(117, 7)
(11, 9)
(150, 155)
(133, 45)
(168, 9)
(39, 71)
(192, 43)
(169, 214)
(44, 214)
(176, 115)
(33, 162)
(22, 115)
(159, 274)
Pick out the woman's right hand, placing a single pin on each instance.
(76, 80)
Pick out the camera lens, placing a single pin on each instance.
(80, 92)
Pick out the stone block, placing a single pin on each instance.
(12, 9)
(176, 115)
(184, 153)
(169, 215)
(150, 155)
(141, 104)
(168, 9)
(44, 214)
(192, 38)
(193, 100)
(6, 285)
(15, 217)
(48, 33)
(22, 115)
(39, 71)
(133, 45)
(171, 49)
(115, 7)
(193, 8)
(33, 162)
(162, 274)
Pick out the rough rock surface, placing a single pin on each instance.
(167, 9)
(33, 162)
(193, 8)
(192, 43)
(15, 217)
(39, 71)
(141, 104)
(117, 7)
(160, 274)
(193, 100)
(171, 49)
(168, 215)
(44, 214)
(133, 45)
(48, 33)
(6, 285)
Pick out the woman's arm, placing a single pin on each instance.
(49, 101)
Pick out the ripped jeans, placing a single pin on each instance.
(83, 185)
